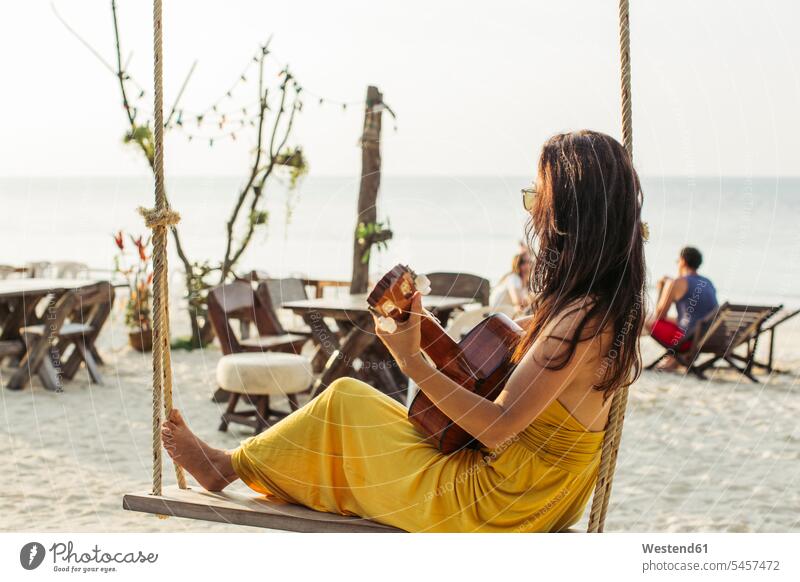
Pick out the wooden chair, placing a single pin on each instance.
(88, 311)
(238, 301)
(7, 271)
(279, 291)
(715, 338)
(5, 311)
(70, 270)
(37, 269)
(92, 308)
(11, 349)
(461, 324)
(460, 285)
(41, 357)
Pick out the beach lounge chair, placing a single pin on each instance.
(771, 329)
(716, 337)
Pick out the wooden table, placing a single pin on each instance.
(19, 298)
(356, 339)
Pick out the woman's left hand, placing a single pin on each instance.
(404, 343)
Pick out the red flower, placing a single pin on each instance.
(141, 247)
(119, 241)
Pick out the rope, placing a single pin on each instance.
(159, 219)
(616, 415)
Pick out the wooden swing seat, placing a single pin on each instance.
(249, 510)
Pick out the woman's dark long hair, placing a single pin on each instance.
(586, 241)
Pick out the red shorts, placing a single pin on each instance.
(669, 335)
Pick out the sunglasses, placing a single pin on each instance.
(528, 197)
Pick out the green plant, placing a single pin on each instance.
(371, 234)
(142, 137)
(295, 162)
(135, 269)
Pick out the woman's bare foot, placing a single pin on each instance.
(211, 467)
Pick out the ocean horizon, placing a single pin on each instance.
(745, 226)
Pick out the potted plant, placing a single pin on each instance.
(137, 274)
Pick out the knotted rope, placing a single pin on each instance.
(616, 414)
(159, 219)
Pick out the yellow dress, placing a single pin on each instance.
(353, 451)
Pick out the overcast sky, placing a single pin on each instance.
(477, 86)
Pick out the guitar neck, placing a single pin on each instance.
(445, 353)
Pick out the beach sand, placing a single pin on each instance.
(717, 455)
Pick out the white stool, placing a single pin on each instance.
(257, 376)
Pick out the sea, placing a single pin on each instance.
(746, 227)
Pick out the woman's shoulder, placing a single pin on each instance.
(575, 323)
(575, 315)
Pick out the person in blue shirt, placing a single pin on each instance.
(694, 297)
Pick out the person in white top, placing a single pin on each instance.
(513, 288)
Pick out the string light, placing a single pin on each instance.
(236, 115)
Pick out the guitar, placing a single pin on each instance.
(480, 362)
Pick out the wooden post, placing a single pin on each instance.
(370, 183)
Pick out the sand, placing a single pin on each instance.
(716, 455)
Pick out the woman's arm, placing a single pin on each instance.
(514, 293)
(518, 293)
(529, 390)
(671, 290)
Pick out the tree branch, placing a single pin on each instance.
(120, 73)
(262, 95)
(81, 39)
(258, 190)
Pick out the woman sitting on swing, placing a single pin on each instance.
(352, 449)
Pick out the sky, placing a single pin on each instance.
(477, 86)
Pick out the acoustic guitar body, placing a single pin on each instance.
(486, 350)
(480, 362)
